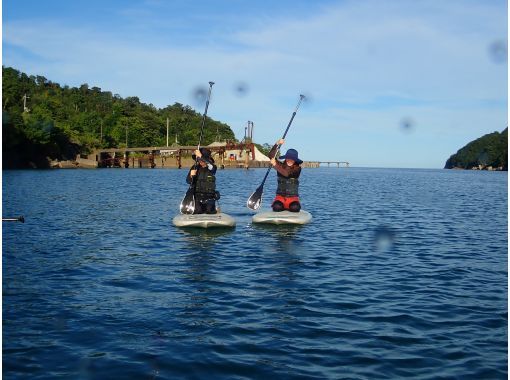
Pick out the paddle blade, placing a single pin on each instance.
(188, 203)
(255, 199)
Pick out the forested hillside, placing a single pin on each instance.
(42, 119)
(490, 150)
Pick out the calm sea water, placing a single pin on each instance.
(402, 273)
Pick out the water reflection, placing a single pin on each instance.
(198, 279)
(282, 233)
(201, 239)
(200, 284)
(284, 274)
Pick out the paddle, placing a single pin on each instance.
(256, 198)
(18, 219)
(188, 203)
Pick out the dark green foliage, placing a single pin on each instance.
(488, 150)
(63, 121)
(264, 149)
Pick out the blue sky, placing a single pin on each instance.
(390, 83)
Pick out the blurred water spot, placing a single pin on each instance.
(483, 158)
(85, 369)
(407, 124)
(60, 323)
(241, 89)
(199, 96)
(308, 98)
(384, 238)
(498, 51)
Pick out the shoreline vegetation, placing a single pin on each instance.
(44, 123)
(489, 152)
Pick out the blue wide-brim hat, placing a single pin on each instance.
(292, 154)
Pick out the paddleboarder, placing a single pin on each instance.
(287, 196)
(205, 187)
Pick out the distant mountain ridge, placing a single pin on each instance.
(489, 152)
(43, 121)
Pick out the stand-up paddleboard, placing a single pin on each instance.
(204, 220)
(283, 217)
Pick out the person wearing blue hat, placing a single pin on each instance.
(288, 171)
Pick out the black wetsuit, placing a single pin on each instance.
(205, 188)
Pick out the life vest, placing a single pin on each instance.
(206, 183)
(287, 187)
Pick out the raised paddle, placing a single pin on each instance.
(256, 198)
(188, 202)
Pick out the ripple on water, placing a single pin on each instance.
(402, 273)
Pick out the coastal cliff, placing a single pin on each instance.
(489, 152)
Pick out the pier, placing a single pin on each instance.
(226, 154)
(317, 164)
(241, 155)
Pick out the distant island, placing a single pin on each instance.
(489, 152)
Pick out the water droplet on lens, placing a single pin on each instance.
(483, 158)
(199, 96)
(498, 51)
(85, 367)
(307, 98)
(384, 238)
(407, 124)
(241, 89)
(60, 323)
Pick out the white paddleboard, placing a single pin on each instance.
(283, 217)
(204, 220)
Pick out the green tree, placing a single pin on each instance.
(63, 121)
(488, 150)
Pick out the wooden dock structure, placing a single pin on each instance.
(178, 156)
(317, 164)
(174, 156)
